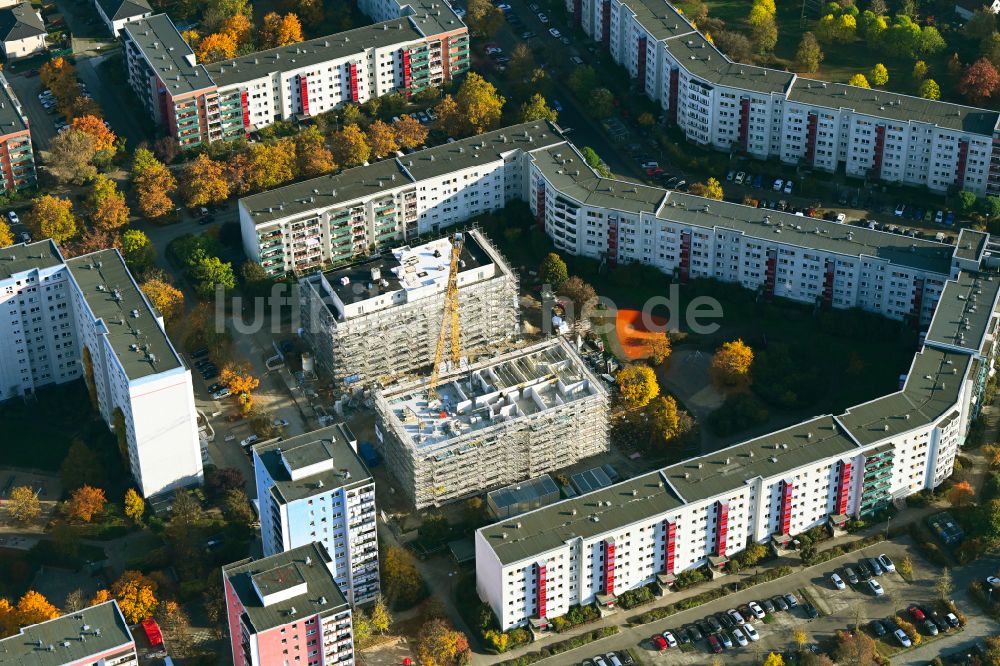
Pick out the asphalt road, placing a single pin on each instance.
(42, 128)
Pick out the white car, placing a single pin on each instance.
(899, 210)
(543, 18)
(993, 581)
(12, 216)
(876, 589)
(613, 658)
(740, 177)
(280, 423)
(904, 640)
(841, 218)
(740, 638)
(788, 186)
(599, 661)
(252, 439)
(751, 632)
(756, 610)
(555, 33)
(737, 618)
(778, 184)
(503, 7)
(886, 563)
(837, 581)
(219, 395)
(669, 638)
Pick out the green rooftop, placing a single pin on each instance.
(965, 310)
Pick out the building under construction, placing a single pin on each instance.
(379, 319)
(506, 419)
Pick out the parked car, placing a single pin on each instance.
(852, 577)
(838, 582)
(726, 621)
(930, 628)
(781, 603)
(740, 177)
(877, 628)
(669, 638)
(875, 566)
(659, 643)
(713, 623)
(735, 615)
(740, 637)
(900, 209)
(221, 393)
(730, 176)
(792, 601)
(704, 627)
(555, 33)
(939, 216)
(543, 18)
(751, 632)
(768, 606)
(199, 352)
(903, 639)
(952, 620)
(727, 642)
(613, 659)
(949, 219)
(24, 237)
(210, 372)
(12, 216)
(811, 611)
(714, 643)
(694, 632)
(599, 661)
(778, 184)
(757, 611)
(886, 563)
(917, 613)
(248, 441)
(682, 636)
(576, 60)
(280, 423)
(864, 570)
(788, 186)
(875, 588)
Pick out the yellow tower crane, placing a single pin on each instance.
(449, 322)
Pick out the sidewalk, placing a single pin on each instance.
(620, 617)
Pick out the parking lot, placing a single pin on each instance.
(836, 610)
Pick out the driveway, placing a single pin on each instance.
(43, 130)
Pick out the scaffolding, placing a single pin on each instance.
(384, 345)
(516, 416)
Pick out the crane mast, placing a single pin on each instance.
(449, 322)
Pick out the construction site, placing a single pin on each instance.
(508, 418)
(380, 320)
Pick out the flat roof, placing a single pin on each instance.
(23, 257)
(659, 18)
(431, 17)
(531, 534)
(12, 118)
(168, 54)
(964, 310)
(767, 456)
(310, 450)
(931, 388)
(538, 488)
(523, 382)
(307, 565)
(114, 297)
(894, 106)
(971, 244)
(313, 51)
(65, 641)
(702, 60)
(405, 268)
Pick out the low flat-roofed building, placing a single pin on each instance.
(94, 635)
(522, 496)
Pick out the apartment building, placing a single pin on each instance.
(95, 635)
(116, 13)
(86, 317)
(17, 160)
(287, 608)
(777, 254)
(588, 549)
(22, 31)
(314, 488)
(380, 318)
(767, 113)
(423, 45)
(506, 419)
(333, 219)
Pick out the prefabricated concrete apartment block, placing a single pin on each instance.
(503, 420)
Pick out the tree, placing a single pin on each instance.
(361, 628)
(239, 379)
(484, 19)
(59, 76)
(580, 294)
(176, 625)
(809, 55)
(237, 510)
(954, 65)
(6, 235)
(450, 118)
(731, 364)
(602, 103)
(710, 190)
(33, 608)
(138, 251)
(240, 27)
(480, 104)
(312, 156)
(930, 41)
(961, 494)
(989, 206)
(664, 419)
(153, 184)
(659, 349)
(350, 146)
(272, 164)
(774, 659)
(920, 70)
(74, 601)
(400, 579)
(764, 34)
(219, 481)
(80, 467)
(381, 618)
(582, 80)
(52, 217)
(217, 46)
(85, 503)
(136, 596)
(536, 109)
(553, 270)
(93, 126)
(859, 81)
(522, 62)
(979, 81)
(754, 553)
(135, 506)
(905, 566)
(438, 644)
(166, 298)
(410, 132)
(71, 156)
(879, 75)
(382, 139)
(280, 30)
(23, 505)
(212, 272)
(204, 182)
(637, 384)
(107, 205)
(855, 649)
(735, 45)
(944, 585)
(929, 89)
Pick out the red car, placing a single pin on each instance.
(659, 643)
(714, 643)
(917, 614)
(655, 171)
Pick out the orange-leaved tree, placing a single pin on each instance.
(86, 502)
(136, 596)
(239, 378)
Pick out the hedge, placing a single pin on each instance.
(635, 597)
(561, 646)
(831, 553)
(576, 616)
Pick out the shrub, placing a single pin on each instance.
(562, 646)
(576, 616)
(910, 631)
(686, 579)
(635, 597)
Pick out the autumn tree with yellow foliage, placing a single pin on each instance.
(153, 184)
(135, 506)
(217, 46)
(239, 379)
(6, 235)
(94, 127)
(637, 384)
(350, 146)
(731, 364)
(52, 217)
(280, 30)
(410, 132)
(108, 209)
(204, 182)
(136, 596)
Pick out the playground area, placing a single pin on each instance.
(635, 334)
